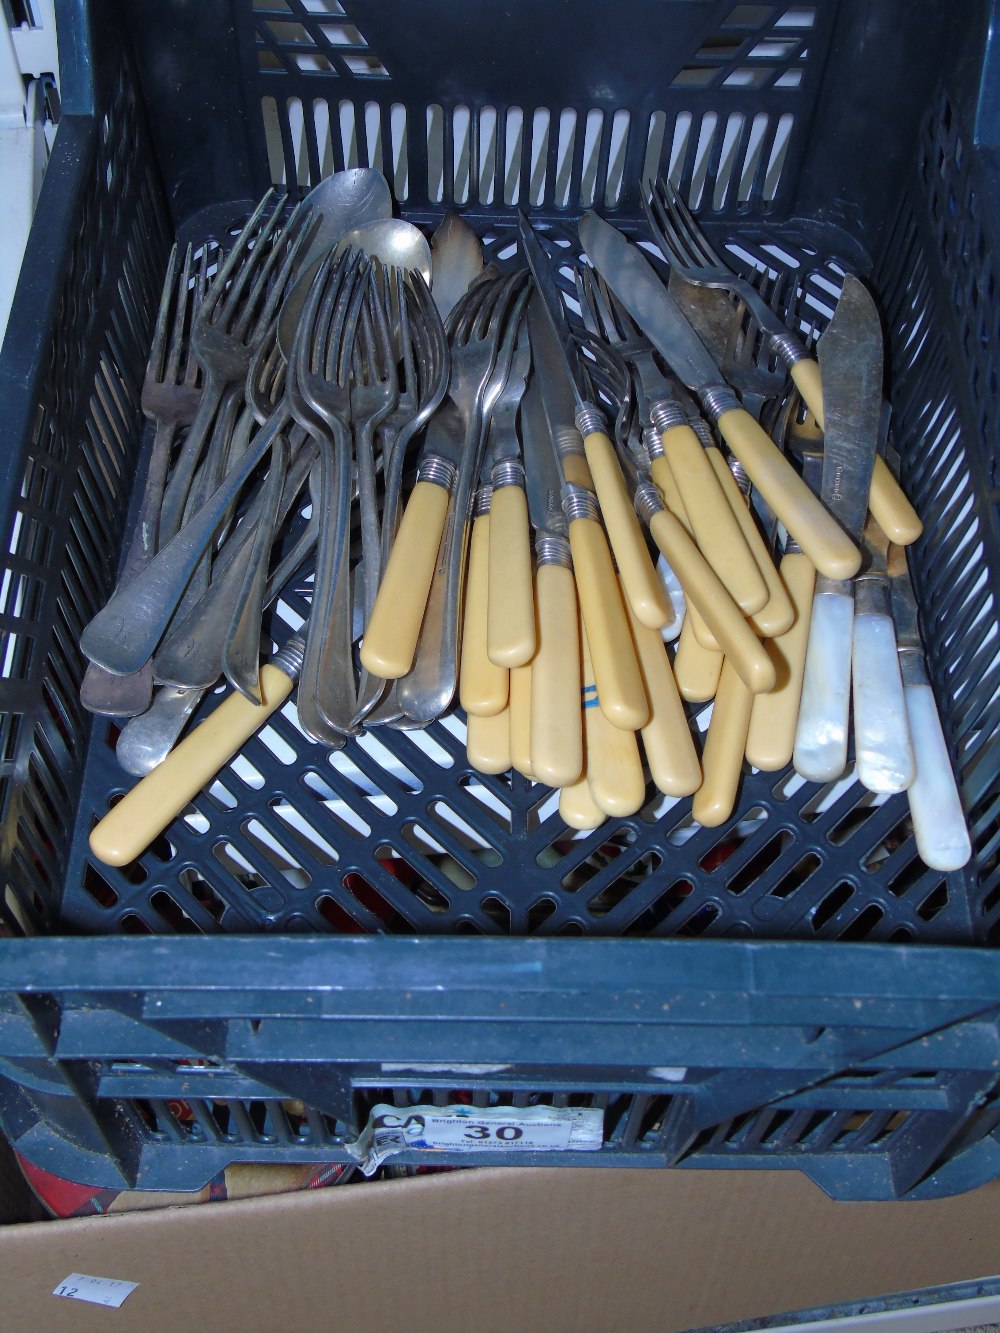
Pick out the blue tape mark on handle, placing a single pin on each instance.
(589, 695)
(591, 703)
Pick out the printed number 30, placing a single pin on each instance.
(508, 1133)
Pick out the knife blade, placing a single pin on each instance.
(632, 278)
(619, 681)
(939, 825)
(850, 359)
(542, 477)
(564, 372)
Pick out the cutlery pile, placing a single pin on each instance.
(586, 491)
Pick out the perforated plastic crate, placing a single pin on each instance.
(802, 1026)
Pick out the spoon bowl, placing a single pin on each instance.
(342, 203)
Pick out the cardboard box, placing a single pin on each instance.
(503, 1249)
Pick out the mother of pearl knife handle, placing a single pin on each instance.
(938, 819)
(820, 753)
(882, 749)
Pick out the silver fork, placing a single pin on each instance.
(170, 393)
(225, 336)
(425, 361)
(424, 357)
(374, 394)
(691, 254)
(482, 333)
(319, 387)
(124, 635)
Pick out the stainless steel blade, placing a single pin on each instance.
(850, 358)
(555, 380)
(550, 303)
(542, 479)
(633, 279)
(445, 437)
(904, 601)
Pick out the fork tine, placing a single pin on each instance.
(698, 242)
(327, 277)
(581, 279)
(170, 289)
(217, 289)
(249, 267)
(184, 301)
(615, 315)
(682, 250)
(241, 309)
(659, 228)
(463, 316)
(406, 332)
(293, 239)
(195, 300)
(343, 330)
(383, 335)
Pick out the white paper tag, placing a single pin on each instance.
(508, 1129)
(110, 1291)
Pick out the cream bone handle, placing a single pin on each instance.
(510, 623)
(772, 722)
(616, 671)
(703, 590)
(804, 515)
(713, 524)
(488, 742)
(775, 616)
(666, 737)
(392, 632)
(614, 767)
(520, 720)
(887, 501)
(556, 718)
(482, 685)
(642, 588)
(666, 483)
(725, 744)
(697, 669)
(144, 812)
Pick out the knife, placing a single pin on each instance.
(619, 682)
(577, 411)
(938, 819)
(882, 749)
(850, 358)
(632, 278)
(555, 719)
(672, 443)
